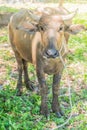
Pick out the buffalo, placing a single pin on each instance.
(41, 40)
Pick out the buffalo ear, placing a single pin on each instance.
(75, 29)
(28, 27)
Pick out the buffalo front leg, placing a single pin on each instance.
(43, 92)
(27, 81)
(55, 89)
(19, 82)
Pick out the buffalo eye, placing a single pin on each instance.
(42, 28)
(61, 28)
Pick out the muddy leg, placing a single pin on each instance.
(27, 81)
(43, 92)
(19, 82)
(55, 102)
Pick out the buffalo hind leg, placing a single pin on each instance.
(27, 81)
(55, 103)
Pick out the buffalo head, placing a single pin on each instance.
(52, 29)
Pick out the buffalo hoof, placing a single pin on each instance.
(44, 112)
(19, 92)
(59, 114)
(29, 85)
(36, 90)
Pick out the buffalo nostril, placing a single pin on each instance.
(57, 53)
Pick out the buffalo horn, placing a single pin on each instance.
(33, 16)
(69, 16)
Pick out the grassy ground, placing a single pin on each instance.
(22, 113)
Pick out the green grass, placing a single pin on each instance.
(22, 113)
(3, 39)
(7, 9)
(3, 35)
